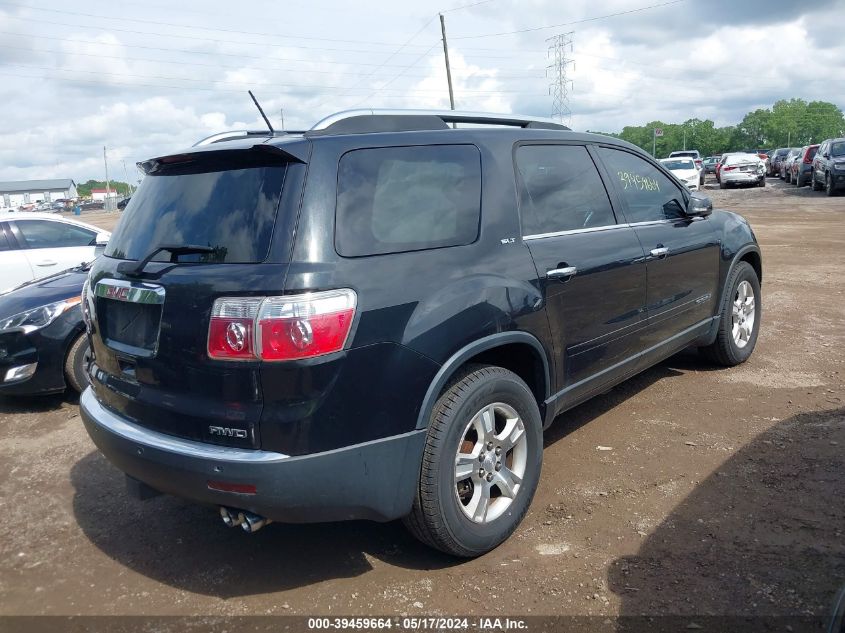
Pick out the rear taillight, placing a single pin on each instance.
(807, 158)
(281, 328)
(231, 333)
(728, 168)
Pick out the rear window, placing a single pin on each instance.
(397, 199)
(678, 164)
(231, 210)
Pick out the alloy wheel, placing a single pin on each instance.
(490, 463)
(743, 314)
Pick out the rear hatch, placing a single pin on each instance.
(233, 211)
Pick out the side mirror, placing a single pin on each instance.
(699, 206)
(100, 243)
(826, 155)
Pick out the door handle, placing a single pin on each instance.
(660, 252)
(46, 262)
(563, 274)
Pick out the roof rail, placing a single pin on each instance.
(232, 135)
(370, 120)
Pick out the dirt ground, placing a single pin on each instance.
(723, 491)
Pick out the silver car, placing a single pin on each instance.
(742, 169)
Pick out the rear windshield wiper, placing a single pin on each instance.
(136, 268)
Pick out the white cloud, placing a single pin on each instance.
(71, 83)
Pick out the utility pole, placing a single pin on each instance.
(446, 56)
(126, 175)
(108, 188)
(560, 84)
(282, 114)
(685, 137)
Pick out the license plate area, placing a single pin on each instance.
(129, 316)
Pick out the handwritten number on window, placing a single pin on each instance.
(638, 182)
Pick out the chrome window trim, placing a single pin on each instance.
(592, 229)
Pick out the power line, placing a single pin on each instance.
(191, 37)
(194, 27)
(324, 88)
(555, 26)
(238, 67)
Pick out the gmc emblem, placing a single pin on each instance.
(224, 431)
(120, 293)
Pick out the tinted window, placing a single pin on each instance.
(47, 234)
(231, 210)
(560, 190)
(837, 149)
(4, 241)
(398, 199)
(648, 194)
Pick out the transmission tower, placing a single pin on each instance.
(556, 71)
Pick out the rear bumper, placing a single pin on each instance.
(375, 480)
(745, 177)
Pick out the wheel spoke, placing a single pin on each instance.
(479, 503)
(464, 466)
(507, 481)
(488, 422)
(511, 434)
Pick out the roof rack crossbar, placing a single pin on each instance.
(370, 119)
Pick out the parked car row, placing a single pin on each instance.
(822, 166)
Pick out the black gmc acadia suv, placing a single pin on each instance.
(378, 317)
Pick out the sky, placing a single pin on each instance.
(149, 78)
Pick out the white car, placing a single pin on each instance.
(742, 169)
(34, 245)
(685, 170)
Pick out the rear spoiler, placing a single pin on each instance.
(290, 153)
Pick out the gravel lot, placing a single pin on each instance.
(723, 491)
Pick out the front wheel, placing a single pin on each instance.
(828, 185)
(739, 318)
(817, 186)
(76, 363)
(481, 465)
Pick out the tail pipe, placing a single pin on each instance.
(249, 521)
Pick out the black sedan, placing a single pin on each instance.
(43, 344)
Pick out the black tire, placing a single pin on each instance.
(798, 181)
(436, 518)
(724, 350)
(75, 361)
(829, 189)
(788, 178)
(722, 185)
(762, 182)
(817, 186)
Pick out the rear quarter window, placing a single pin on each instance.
(397, 199)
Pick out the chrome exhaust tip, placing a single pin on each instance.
(252, 522)
(231, 518)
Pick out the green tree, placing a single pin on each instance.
(84, 189)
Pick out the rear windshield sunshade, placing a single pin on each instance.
(229, 206)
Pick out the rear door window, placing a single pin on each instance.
(649, 194)
(47, 234)
(230, 208)
(396, 199)
(560, 190)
